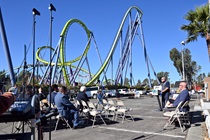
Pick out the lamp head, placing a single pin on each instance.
(52, 8)
(35, 12)
(183, 42)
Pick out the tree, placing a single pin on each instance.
(138, 83)
(145, 81)
(200, 79)
(162, 74)
(126, 82)
(198, 25)
(108, 82)
(2, 75)
(191, 67)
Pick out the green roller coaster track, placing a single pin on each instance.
(63, 34)
(113, 45)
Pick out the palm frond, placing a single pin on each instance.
(198, 23)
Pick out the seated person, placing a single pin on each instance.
(6, 100)
(66, 108)
(53, 94)
(183, 96)
(28, 95)
(82, 96)
(42, 96)
(14, 90)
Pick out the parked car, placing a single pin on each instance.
(123, 91)
(201, 91)
(141, 92)
(92, 91)
(110, 93)
(138, 93)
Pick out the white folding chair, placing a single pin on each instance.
(85, 108)
(95, 112)
(61, 118)
(178, 115)
(122, 110)
(184, 116)
(111, 108)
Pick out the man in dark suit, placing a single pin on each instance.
(82, 96)
(66, 108)
(182, 97)
(165, 91)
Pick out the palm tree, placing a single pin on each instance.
(198, 25)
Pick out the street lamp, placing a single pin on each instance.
(183, 73)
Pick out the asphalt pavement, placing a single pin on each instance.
(147, 125)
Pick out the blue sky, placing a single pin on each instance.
(161, 27)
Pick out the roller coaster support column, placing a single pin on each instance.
(6, 49)
(51, 8)
(121, 58)
(35, 12)
(145, 54)
(99, 58)
(130, 48)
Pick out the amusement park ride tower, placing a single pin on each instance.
(60, 71)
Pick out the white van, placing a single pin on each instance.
(123, 91)
(92, 91)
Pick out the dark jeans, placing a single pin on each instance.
(165, 97)
(75, 115)
(71, 115)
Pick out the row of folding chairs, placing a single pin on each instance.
(178, 115)
(90, 111)
(117, 109)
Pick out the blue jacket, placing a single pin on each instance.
(100, 97)
(183, 96)
(64, 105)
(53, 94)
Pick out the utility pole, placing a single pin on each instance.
(182, 51)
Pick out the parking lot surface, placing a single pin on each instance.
(147, 125)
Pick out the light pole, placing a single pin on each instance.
(183, 72)
(51, 8)
(35, 12)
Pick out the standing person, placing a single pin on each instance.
(165, 91)
(100, 96)
(53, 94)
(66, 108)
